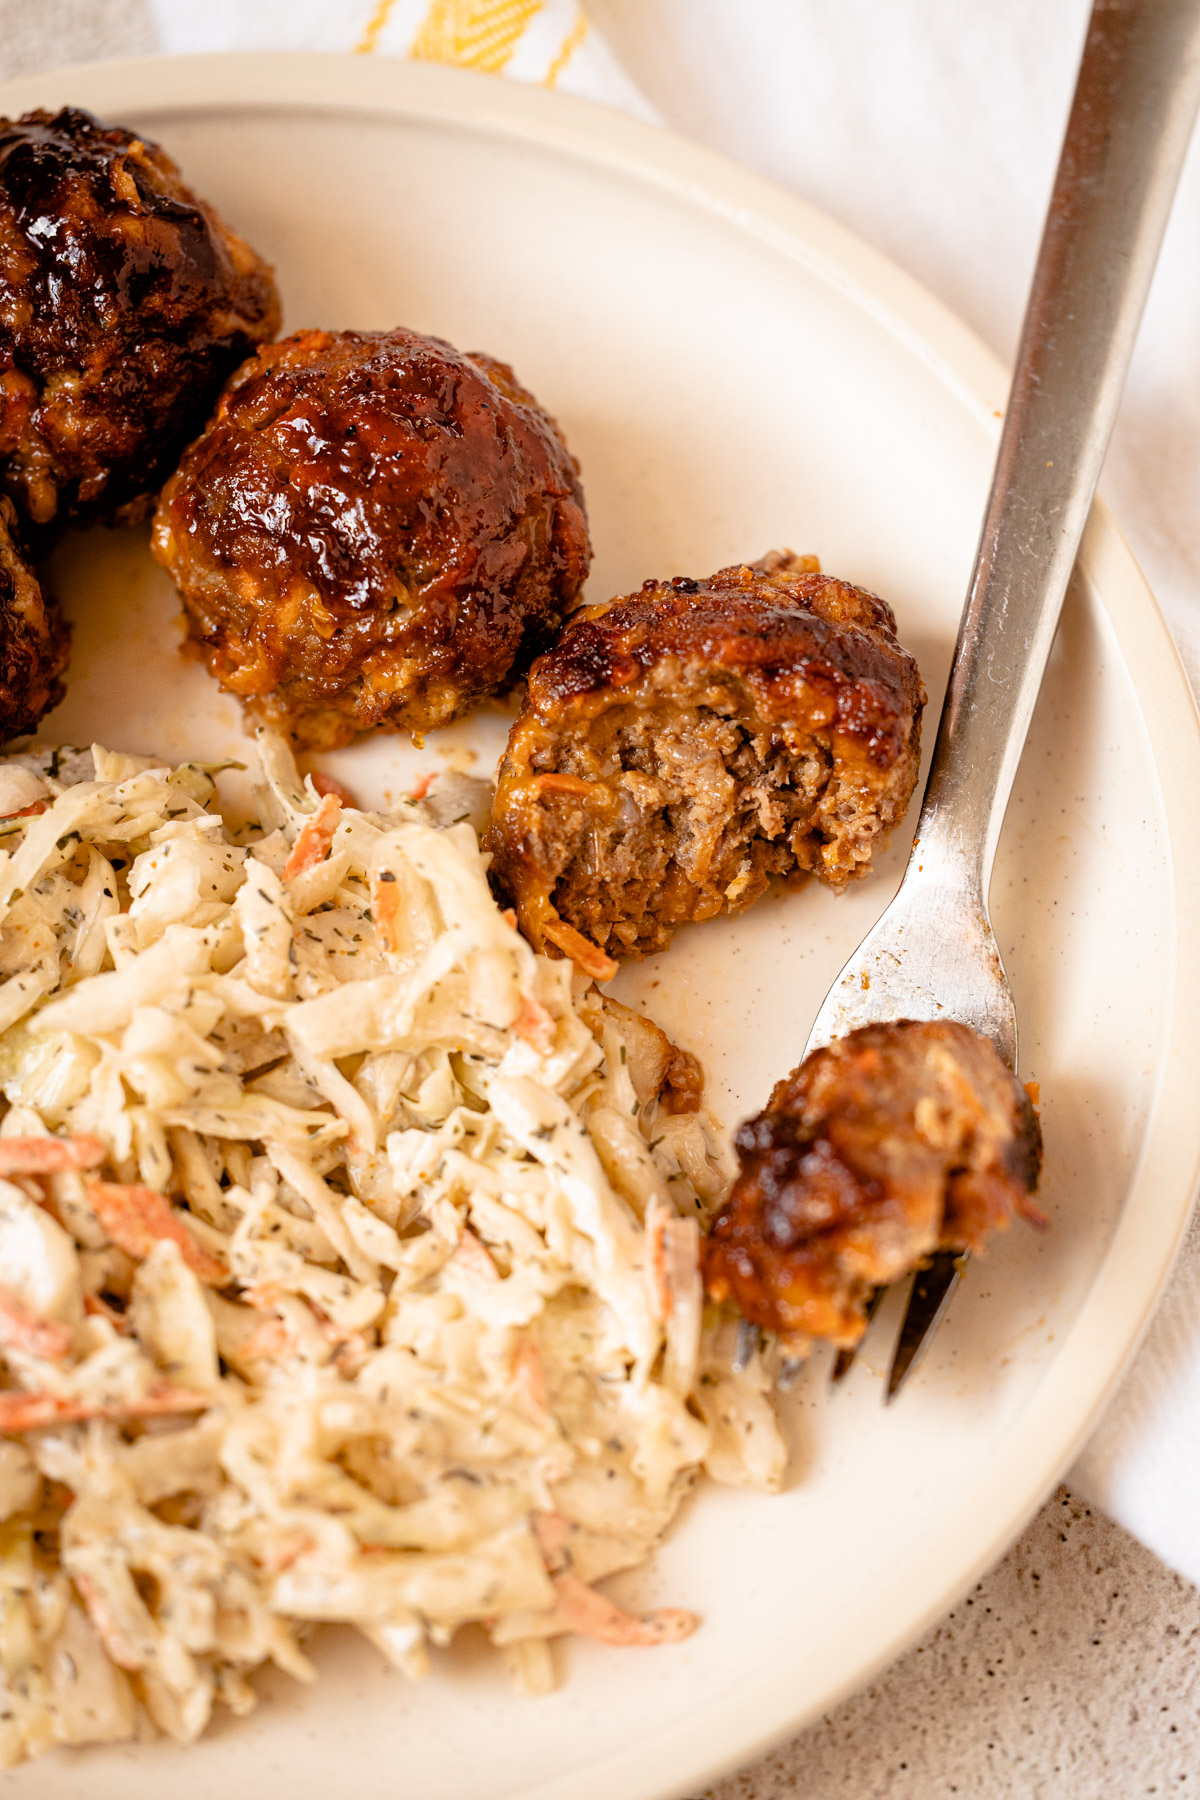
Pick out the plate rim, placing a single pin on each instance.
(1051, 1428)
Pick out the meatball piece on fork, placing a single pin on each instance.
(680, 746)
(886, 1145)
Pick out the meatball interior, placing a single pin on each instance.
(124, 304)
(680, 746)
(375, 529)
(892, 1142)
(34, 641)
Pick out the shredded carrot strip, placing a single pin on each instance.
(474, 1256)
(586, 956)
(657, 1225)
(120, 1648)
(49, 1155)
(312, 846)
(29, 1412)
(329, 784)
(272, 1339)
(136, 1218)
(529, 1379)
(385, 910)
(284, 1551)
(553, 1533)
(22, 1330)
(562, 784)
(671, 1257)
(581, 1609)
(534, 1025)
(100, 1309)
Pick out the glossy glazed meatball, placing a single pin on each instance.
(680, 746)
(124, 304)
(375, 529)
(34, 641)
(893, 1142)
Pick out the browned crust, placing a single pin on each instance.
(124, 303)
(892, 1142)
(806, 646)
(35, 642)
(807, 666)
(375, 530)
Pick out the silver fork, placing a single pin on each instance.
(933, 954)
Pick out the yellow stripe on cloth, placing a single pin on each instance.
(475, 34)
(374, 26)
(570, 45)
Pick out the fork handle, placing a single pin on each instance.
(1136, 99)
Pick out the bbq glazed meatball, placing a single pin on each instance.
(890, 1143)
(34, 641)
(375, 529)
(124, 304)
(681, 745)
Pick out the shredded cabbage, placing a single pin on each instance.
(348, 1261)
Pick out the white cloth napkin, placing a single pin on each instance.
(932, 128)
(549, 42)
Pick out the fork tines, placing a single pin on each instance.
(932, 1288)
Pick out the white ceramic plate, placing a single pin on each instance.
(734, 372)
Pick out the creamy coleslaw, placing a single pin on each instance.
(348, 1257)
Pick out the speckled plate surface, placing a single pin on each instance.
(734, 372)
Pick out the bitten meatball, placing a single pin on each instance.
(681, 745)
(892, 1142)
(124, 304)
(375, 529)
(34, 641)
